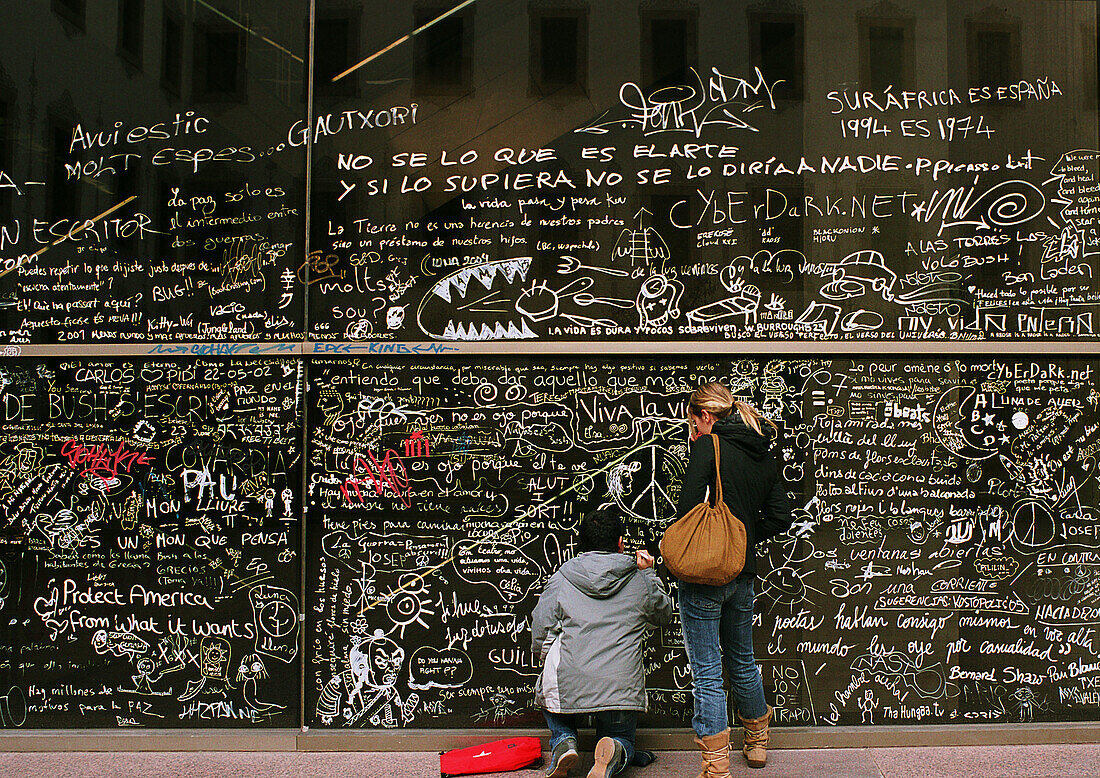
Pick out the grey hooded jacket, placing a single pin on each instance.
(588, 628)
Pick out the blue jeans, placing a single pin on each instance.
(717, 623)
(618, 725)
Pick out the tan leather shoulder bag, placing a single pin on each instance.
(707, 545)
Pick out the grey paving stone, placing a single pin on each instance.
(1062, 761)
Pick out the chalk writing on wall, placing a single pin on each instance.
(938, 569)
(149, 512)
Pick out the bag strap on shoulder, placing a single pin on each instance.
(717, 472)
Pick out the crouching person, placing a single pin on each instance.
(588, 629)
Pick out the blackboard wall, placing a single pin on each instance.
(151, 517)
(938, 570)
(306, 385)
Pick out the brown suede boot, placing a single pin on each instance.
(756, 738)
(716, 755)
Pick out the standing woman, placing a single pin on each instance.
(717, 620)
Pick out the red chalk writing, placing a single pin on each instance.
(99, 460)
(416, 445)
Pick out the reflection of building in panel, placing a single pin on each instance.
(72, 11)
(490, 74)
(131, 32)
(146, 58)
(887, 52)
(559, 51)
(992, 48)
(171, 69)
(445, 50)
(669, 46)
(135, 102)
(335, 47)
(779, 50)
(7, 141)
(219, 62)
(439, 110)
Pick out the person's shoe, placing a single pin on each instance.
(756, 738)
(716, 754)
(563, 758)
(609, 758)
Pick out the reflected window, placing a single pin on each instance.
(1089, 62)
(670, 43)
(171, 71)
(328, 197)
(778, 49)
(7, 147)
(72, 11)
(131, 21)
(885, 54)
(166, 187)
(560, 232)
(127, 179)
(891, 225)
(559, 51)
(770, 232)
(655, 234)
(992, 52)
(444, 49)
(62, 195)
(336, 48)
(127, 185)
(219, 63)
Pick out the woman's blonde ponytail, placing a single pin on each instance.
(753, 417)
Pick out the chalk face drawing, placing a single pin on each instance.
(939, 567)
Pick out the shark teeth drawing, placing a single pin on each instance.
(472, 314)
(486, 275)
(498, 331)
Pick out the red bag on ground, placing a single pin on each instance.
(496, 757)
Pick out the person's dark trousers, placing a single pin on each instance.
(620, 725)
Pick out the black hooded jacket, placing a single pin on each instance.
(751, 485)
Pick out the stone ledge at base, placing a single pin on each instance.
(440, 739)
